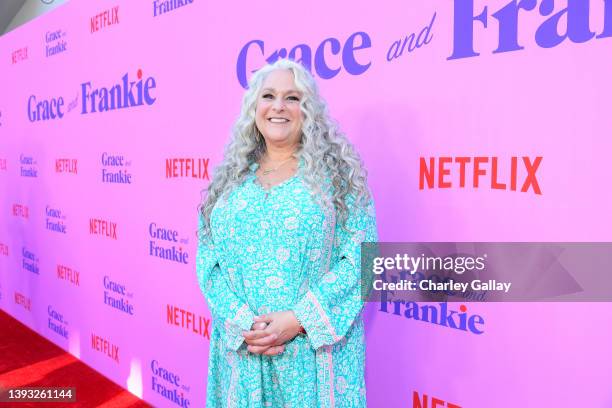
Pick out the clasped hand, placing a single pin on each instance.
(270, 332)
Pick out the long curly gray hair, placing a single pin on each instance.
(328, 157)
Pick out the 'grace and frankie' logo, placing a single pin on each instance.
(117, 296)
(164, 6)
(57, 322)
(116, 168)
(56, 220)
(55, 42)
(167, 383)
(331, 55)
(571, 22)
(165, 243)
(28, 166)
(126, 93)
(439, 314)
(30, 261)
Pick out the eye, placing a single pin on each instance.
(293, 98)
(267, 96)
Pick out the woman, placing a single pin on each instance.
(279, 257)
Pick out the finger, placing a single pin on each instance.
(274, 350)
(257, 349)
(263, 341)
(255, 334)
(263, 318)
(259, 326)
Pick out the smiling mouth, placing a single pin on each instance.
(278, 120)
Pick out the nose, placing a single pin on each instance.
(278, 104)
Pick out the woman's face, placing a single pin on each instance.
(277, 114)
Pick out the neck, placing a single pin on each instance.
(279, 153)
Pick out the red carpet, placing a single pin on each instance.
(29, 360)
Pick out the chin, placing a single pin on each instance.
(277, 138)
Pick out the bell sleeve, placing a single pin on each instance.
(330, 306)
(223, 302)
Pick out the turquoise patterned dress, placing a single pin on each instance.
(279, 250)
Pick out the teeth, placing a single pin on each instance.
(278, 120)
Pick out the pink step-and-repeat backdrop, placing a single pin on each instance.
(113, 115)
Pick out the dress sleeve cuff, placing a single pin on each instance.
(315, 321)
(242, 321)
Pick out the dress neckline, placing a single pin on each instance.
(254, 166)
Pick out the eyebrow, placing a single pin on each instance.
(287, 92)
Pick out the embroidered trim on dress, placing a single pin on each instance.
(323, 315)
(231, 397)
(325, 374)
(330, 358)
(329, 216)
(235, 326)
